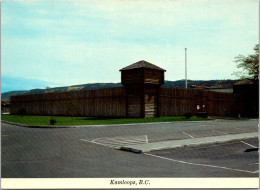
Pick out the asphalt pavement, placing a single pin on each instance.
(92, 151)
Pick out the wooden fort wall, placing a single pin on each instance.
(175, 102)
(130, 102)
(108, 102)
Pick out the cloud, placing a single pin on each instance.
(75, 42)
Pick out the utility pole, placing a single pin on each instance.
(186, 68)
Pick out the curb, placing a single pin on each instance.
(137, 151)
(144, 150)
(107, 125)
(114, 125)
(235, 119)
(36, 126)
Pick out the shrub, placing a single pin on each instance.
(52, 121)
(22, 111)
(202, 114)
(187, 115)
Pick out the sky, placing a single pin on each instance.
(65, 42)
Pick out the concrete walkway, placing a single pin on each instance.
(139, 148)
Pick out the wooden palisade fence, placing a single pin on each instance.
(141, 96)
(109, 102)
(175, 102)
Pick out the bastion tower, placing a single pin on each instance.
(142, 81)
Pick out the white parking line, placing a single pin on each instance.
(205, 165)
(146, 138)
(240, 141)
(220, 132)
(188, 135)
(119, 141)
(248, 144)
(98, 143)
(254, 163)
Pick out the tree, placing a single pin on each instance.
(249, 65)
(47, 88)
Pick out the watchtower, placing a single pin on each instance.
(142, 81)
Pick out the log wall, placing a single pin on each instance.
(175, 102)
(133, 76)
(132, 101)
(153, 76)
(108, 102)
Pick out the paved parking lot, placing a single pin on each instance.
(91, 151)
(238, 156)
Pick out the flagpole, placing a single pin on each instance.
(186, 68)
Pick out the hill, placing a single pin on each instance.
(177, 84)
(208, 83)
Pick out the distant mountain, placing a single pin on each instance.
(177, 84)
(208, 83)
(7, 95)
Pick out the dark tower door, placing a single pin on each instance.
(151, 101)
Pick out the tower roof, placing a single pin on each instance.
(142, 64)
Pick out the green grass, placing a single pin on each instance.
(68, 121)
